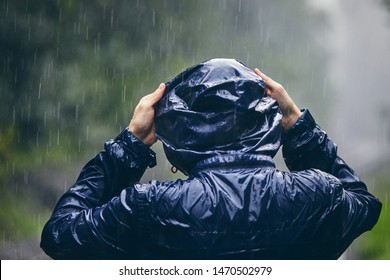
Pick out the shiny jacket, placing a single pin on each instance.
(235, 204)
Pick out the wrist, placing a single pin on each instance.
(290, 119)
(304, 123)
(130, 146)
(147, 137)
(136, 133)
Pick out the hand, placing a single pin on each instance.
(276, 91)
(142, 123)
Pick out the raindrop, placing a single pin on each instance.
(39, 89)
(16, 76)
(154, 18)
(37, 139)
(124, 94)
(25, 177)
(174, 38)
(28, 110)
(60, 16)
(161, 48)
(22, 114)
(39, 223)
(78, 28)
(324, 88)
(7, 8)
(224, 4)
(104, 12)
(65, 186)
(58, 110)
(14, 115)
(112, 19)
(77, 113)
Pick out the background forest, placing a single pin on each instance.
(71, 73)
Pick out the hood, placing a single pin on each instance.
(217, 110)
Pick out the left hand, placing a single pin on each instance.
(276, 91)
(142, 123)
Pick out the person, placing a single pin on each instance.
(221, 124)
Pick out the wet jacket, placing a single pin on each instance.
(235, 204)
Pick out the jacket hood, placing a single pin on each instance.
(217, 112)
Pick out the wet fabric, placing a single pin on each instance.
(235, 204)
(213, 108)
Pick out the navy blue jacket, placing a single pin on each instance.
(234, 205)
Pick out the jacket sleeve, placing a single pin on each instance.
(87, 217)
(306, 146)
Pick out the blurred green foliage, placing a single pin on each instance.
(23, 216)
(387, 3)
(376, 244)
(72, 71)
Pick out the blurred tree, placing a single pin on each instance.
(70, 65)
(387, 3)
(72, 71)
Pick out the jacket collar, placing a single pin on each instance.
(233, 160)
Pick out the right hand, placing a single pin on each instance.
(276, 91)
(142, 123)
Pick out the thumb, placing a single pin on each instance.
(262, 75)
(157, 94)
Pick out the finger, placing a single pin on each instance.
(267, 80)
(268, 92)
(158, 94)
(262, 75)
(154, 97)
